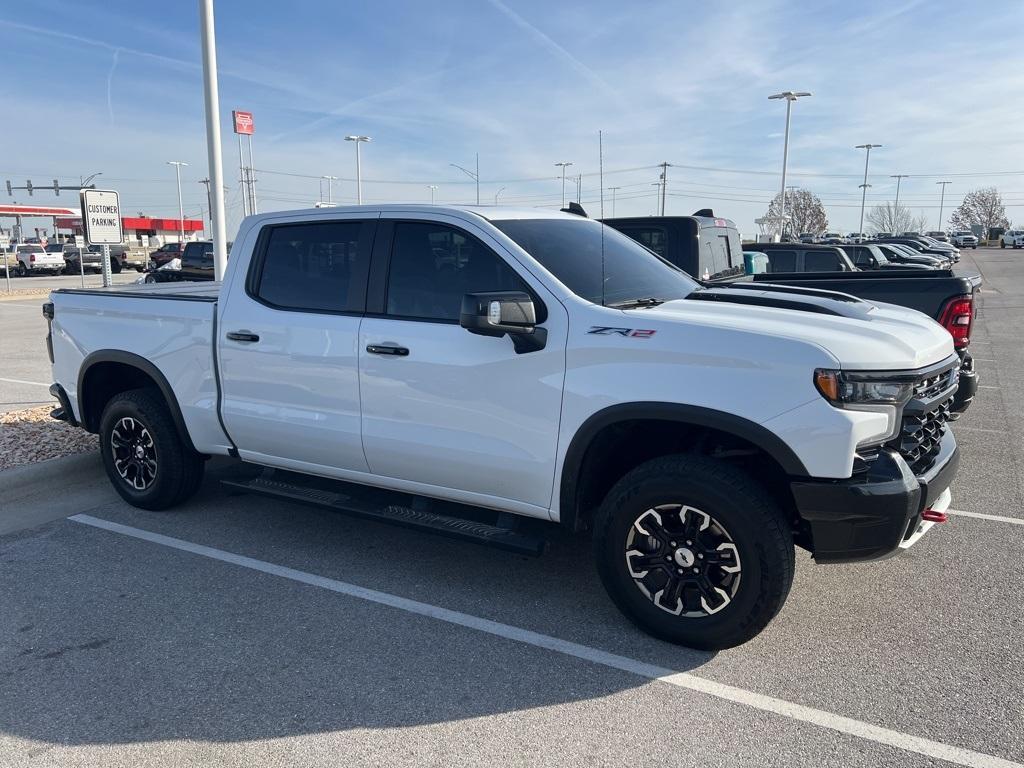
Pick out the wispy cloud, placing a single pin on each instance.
(110, 85)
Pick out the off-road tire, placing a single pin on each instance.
(754, 521)
(179, 469)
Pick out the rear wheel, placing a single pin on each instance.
(115, 266)
(693, 551)
(22, 269)
(1002, 243)
(143, 454)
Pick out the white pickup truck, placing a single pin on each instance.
(459, 369)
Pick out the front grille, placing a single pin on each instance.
(933, 385)
(921, 434)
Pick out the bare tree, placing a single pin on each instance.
(804, 213)
(982, 208)
(891, 218)
(918, 223)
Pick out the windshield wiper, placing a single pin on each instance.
(634, 303)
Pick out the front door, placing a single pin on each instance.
(287, 342)
(462, 414)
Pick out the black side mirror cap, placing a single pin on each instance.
(504, 312)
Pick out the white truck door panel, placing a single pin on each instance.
(292, 390)
(459, 411)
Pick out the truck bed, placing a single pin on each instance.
(165, 329)
(182, 291)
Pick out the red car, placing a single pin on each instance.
(166, 252)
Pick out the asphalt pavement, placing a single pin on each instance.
(239, 631)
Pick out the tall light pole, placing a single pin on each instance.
(181, 210)
(657, 195)
(433, 189)
(211, 100)
(498, 193)
(563, 166)
(899, 177)
(613, 191)
(209, 201)
(474, 176)
(790, 97)
(330, 188)
(942, 200)
(865, 185)
(359, 172)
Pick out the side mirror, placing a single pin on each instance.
(504, 312)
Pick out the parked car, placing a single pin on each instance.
(166, 252)
(868, 256)
(832, 238)
(196, 263)
(807, 237)
(479, 364)
(32, 258)
(856, 237)
(1014, 238)
(903, 254)
(705, 246)
(943, 251)
(948, 248)
(797, 257)
(882, 235)
(964, 238)
(92, 262)
(942, 237)
(910, 234)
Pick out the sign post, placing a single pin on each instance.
(245, 126)
(101, 221)
(5, 244)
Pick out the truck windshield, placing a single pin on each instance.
(572, 252)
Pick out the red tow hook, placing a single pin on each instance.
(934, 516)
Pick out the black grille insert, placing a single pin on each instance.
(920, 436)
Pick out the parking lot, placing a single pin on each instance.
(240, 630)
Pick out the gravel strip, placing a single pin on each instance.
(31, 435)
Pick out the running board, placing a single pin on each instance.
(292, 488)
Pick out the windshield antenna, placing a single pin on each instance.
(600, 167)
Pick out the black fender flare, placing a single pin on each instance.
(147, 367)
(691, 415)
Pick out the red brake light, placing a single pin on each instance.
(32, 257)
(956, 317)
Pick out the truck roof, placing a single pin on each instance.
(488, 212)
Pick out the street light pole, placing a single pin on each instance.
(563, 166)
(498, 193)
(790, 97)
(613, 191)
(433, 189)
(181, 210)
(359, 173)
(865, 185)
(474, 176)
(942, 200)
(330, 188)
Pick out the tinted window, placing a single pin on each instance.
(315, 267)
(820, 261)
(655, 238)
(579, 252)
(433, 266)
(55, 248)
(781, 261)
(861, 256)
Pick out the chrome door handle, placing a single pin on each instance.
(243, 336)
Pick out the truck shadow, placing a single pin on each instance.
(111, 640)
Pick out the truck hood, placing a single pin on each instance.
(860, 335)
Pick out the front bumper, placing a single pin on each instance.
(968, 386)
(874, 514)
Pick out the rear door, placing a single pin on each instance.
(287, 343)
(453, 413)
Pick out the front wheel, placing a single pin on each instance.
(1002, 243)
(145, 458)
(115, 266)
(693, 551)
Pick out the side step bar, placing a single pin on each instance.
(290, 487)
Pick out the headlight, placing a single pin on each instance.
(871, 392)
(842, 388)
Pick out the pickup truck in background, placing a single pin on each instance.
(1012, 238)
(964, 238)
(457, 370)
(943, 296)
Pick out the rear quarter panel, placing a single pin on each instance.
(174, 335)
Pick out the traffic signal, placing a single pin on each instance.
(28, 186)
(56, 187)
(9, 191)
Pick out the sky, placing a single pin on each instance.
(116, 87)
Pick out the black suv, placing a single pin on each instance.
(196, 264)
(800, 257)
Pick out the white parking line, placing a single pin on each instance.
(988, 386)
(799, 712)
(983, 516)
(22, 381)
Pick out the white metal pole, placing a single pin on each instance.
(478, 178)
(181, 208)
(785, 161)
(252, 178)
(213, 147)
(359, 176)
(864, 187)
(107, 281)
(81, 259)
(942, 200)
(241, 178)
